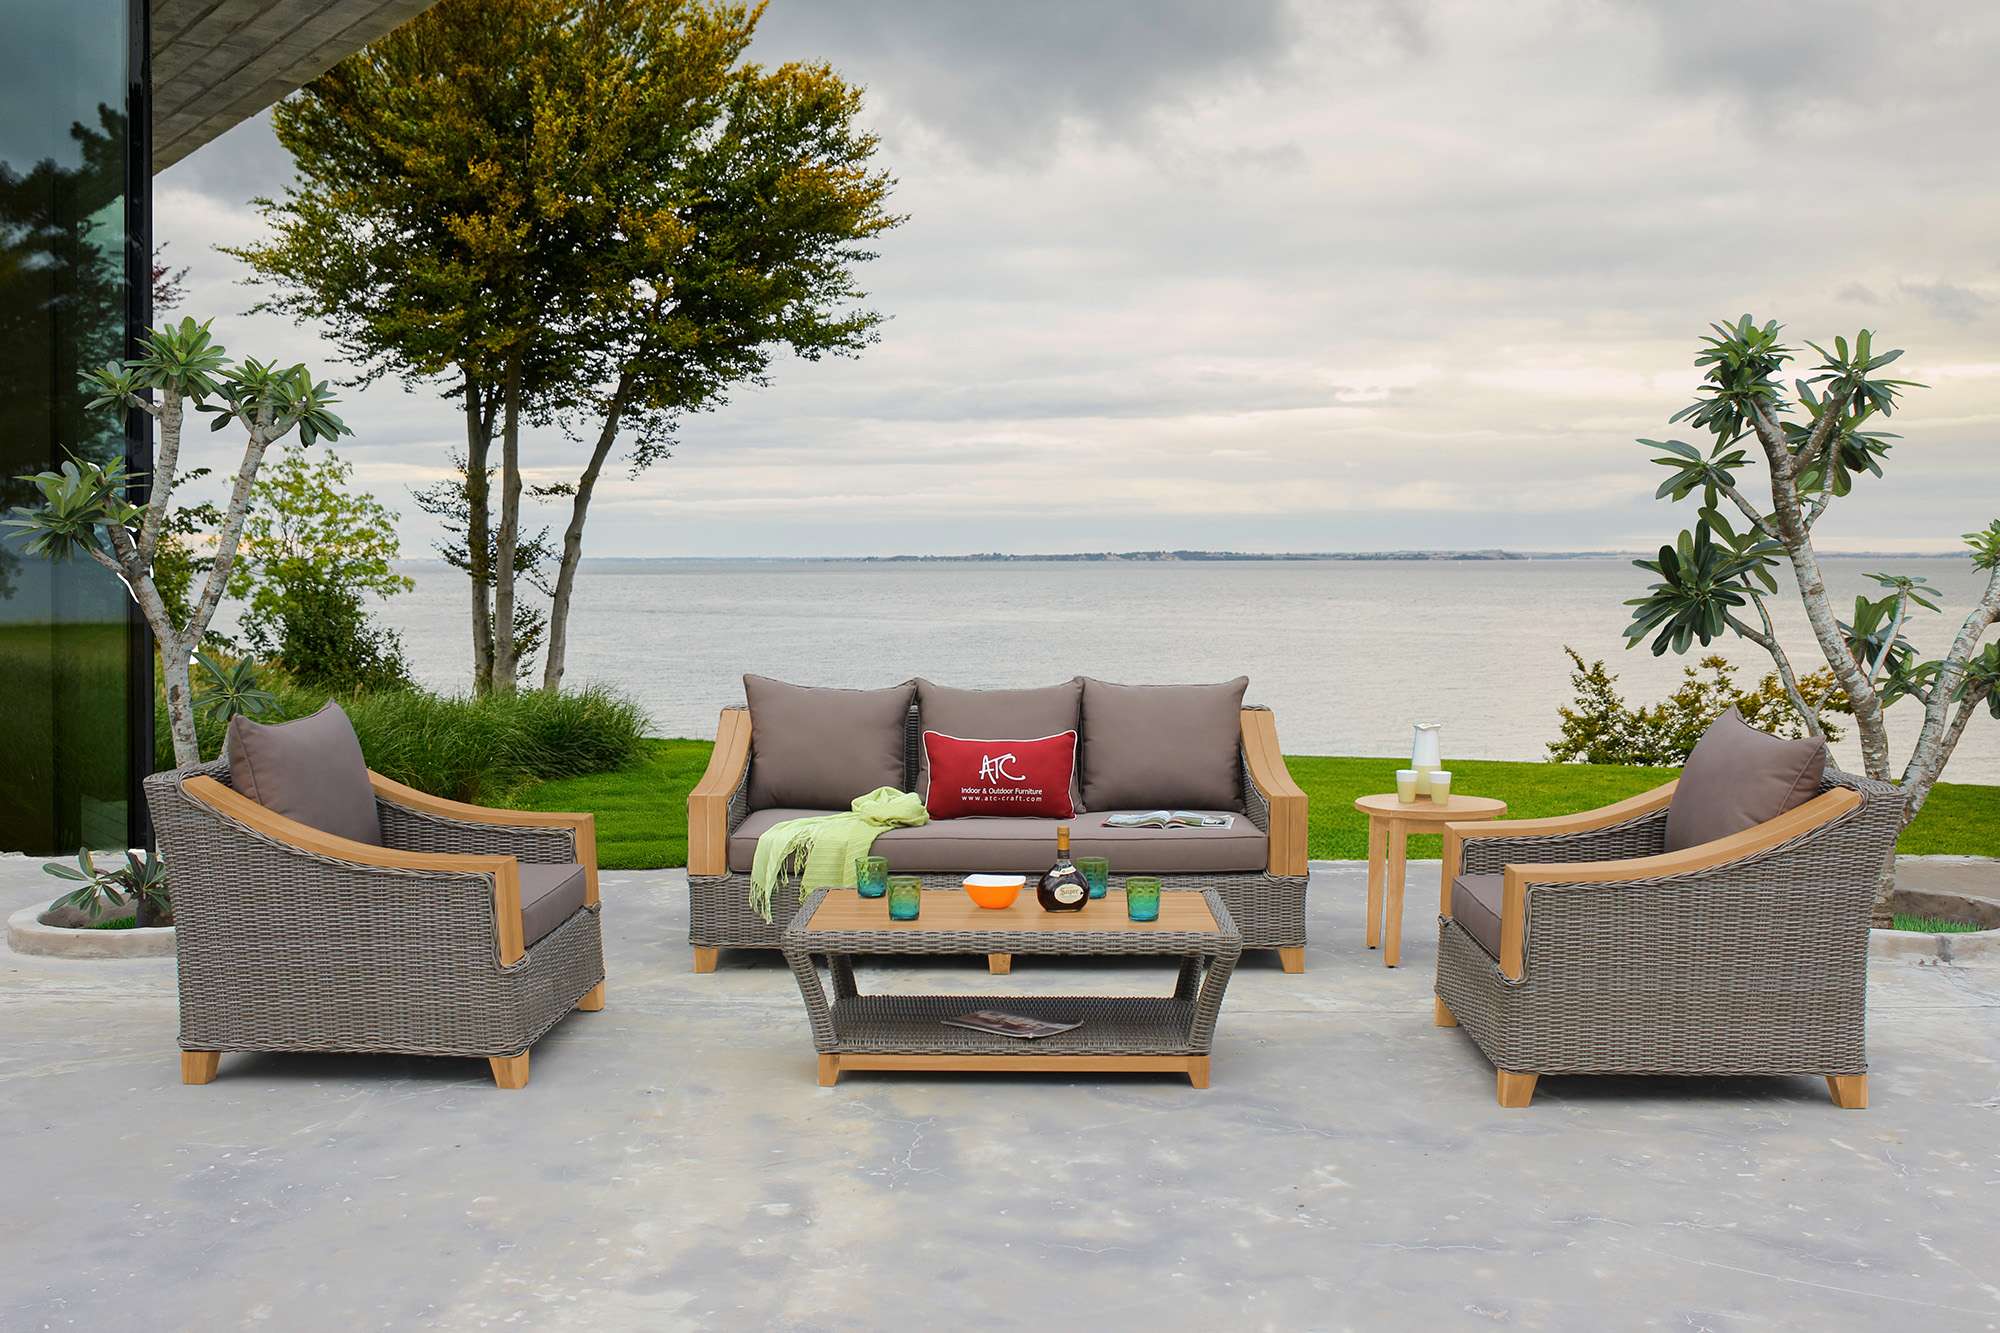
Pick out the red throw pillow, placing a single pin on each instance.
(974, 777)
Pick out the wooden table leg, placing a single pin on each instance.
(1000, 964)
(1392, 929)
(1378, 844)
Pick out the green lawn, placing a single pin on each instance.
(642, 810)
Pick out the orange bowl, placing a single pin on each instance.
(996, 893)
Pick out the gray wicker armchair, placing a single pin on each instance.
(1604, 955)
(291, 939)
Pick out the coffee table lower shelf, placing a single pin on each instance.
(1132, 1034)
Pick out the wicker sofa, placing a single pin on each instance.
(1258, 867)
(467, 932)
(1589, 949)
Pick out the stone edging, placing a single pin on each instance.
(26, 934)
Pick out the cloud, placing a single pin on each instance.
(1301, 275)
(1961, 305)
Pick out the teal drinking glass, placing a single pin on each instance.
(1142, 899)
(871, 876)
(1096, 873)
(906, 893)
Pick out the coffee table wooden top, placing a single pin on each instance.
(844, 910)
(1424, 810)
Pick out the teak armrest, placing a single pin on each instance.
(708, 803)
(1816, 813)
(1584, 821)
(581, 825)
(506, 872)
(1287, 803)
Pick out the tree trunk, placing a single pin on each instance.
(478, 532)
(572, 550)
(175, 653)
(1797, 540)
(506, 664)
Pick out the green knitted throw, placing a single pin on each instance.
(823, 848)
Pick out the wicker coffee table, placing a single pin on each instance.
(1120, 1034)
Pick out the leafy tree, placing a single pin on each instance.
(313, 551)
(592, 214)
(1599, 727)
(307, 524)
(1818, 442)
(82, 509)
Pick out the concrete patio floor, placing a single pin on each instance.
(673, 1164)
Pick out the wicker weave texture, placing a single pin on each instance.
(1755, 967)
(281, 949)
(1182, 1023)
(1269, 909)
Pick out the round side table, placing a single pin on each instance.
(1390, 824)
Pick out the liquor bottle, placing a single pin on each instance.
(1063, 887)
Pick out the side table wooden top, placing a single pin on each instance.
(1424, 810)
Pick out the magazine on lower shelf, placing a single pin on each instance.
(999, 1023)
(1168, 819)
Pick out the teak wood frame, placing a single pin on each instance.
(198, 1067)
(1517, 1088)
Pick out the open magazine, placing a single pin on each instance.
(1168, 819)
(1002, 1024)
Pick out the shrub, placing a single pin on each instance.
(323, 635)
(1598, 727)
(466, 747)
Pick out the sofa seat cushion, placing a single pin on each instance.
(1014, 846)
(309, 769)
(1147, 746)
(1738, 777)
(550, 895)
(821, 748)
(1475, 905)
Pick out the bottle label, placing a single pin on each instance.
(1070, 893)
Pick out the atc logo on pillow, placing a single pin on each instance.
(974, 777)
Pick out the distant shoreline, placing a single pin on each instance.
(1186, 557)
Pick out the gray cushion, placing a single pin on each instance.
(310, 770)
(550, 895)
(999, 715)
(986, 844)
(1146, 746)
(1475, 905)
(821, 748)
(1739, 777)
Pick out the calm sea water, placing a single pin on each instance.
(1348, 653)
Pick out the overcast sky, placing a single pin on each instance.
(1305, 276)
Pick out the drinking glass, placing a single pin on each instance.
(871, 876)
(906, 893)
(1441, 786)
(1142, 899)
(1096, 873)
(1406, 786)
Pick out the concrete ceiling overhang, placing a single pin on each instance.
(216, 63)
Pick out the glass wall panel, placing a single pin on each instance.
(66, 638)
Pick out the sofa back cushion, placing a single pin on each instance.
(310, 770)
(999, 715)
(1162, 745)
(818, 748)
(1737, 778)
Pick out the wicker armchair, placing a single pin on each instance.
(291, 939)
(1746, 955)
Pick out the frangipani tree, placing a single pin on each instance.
(1817, 443)
(85, 510)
